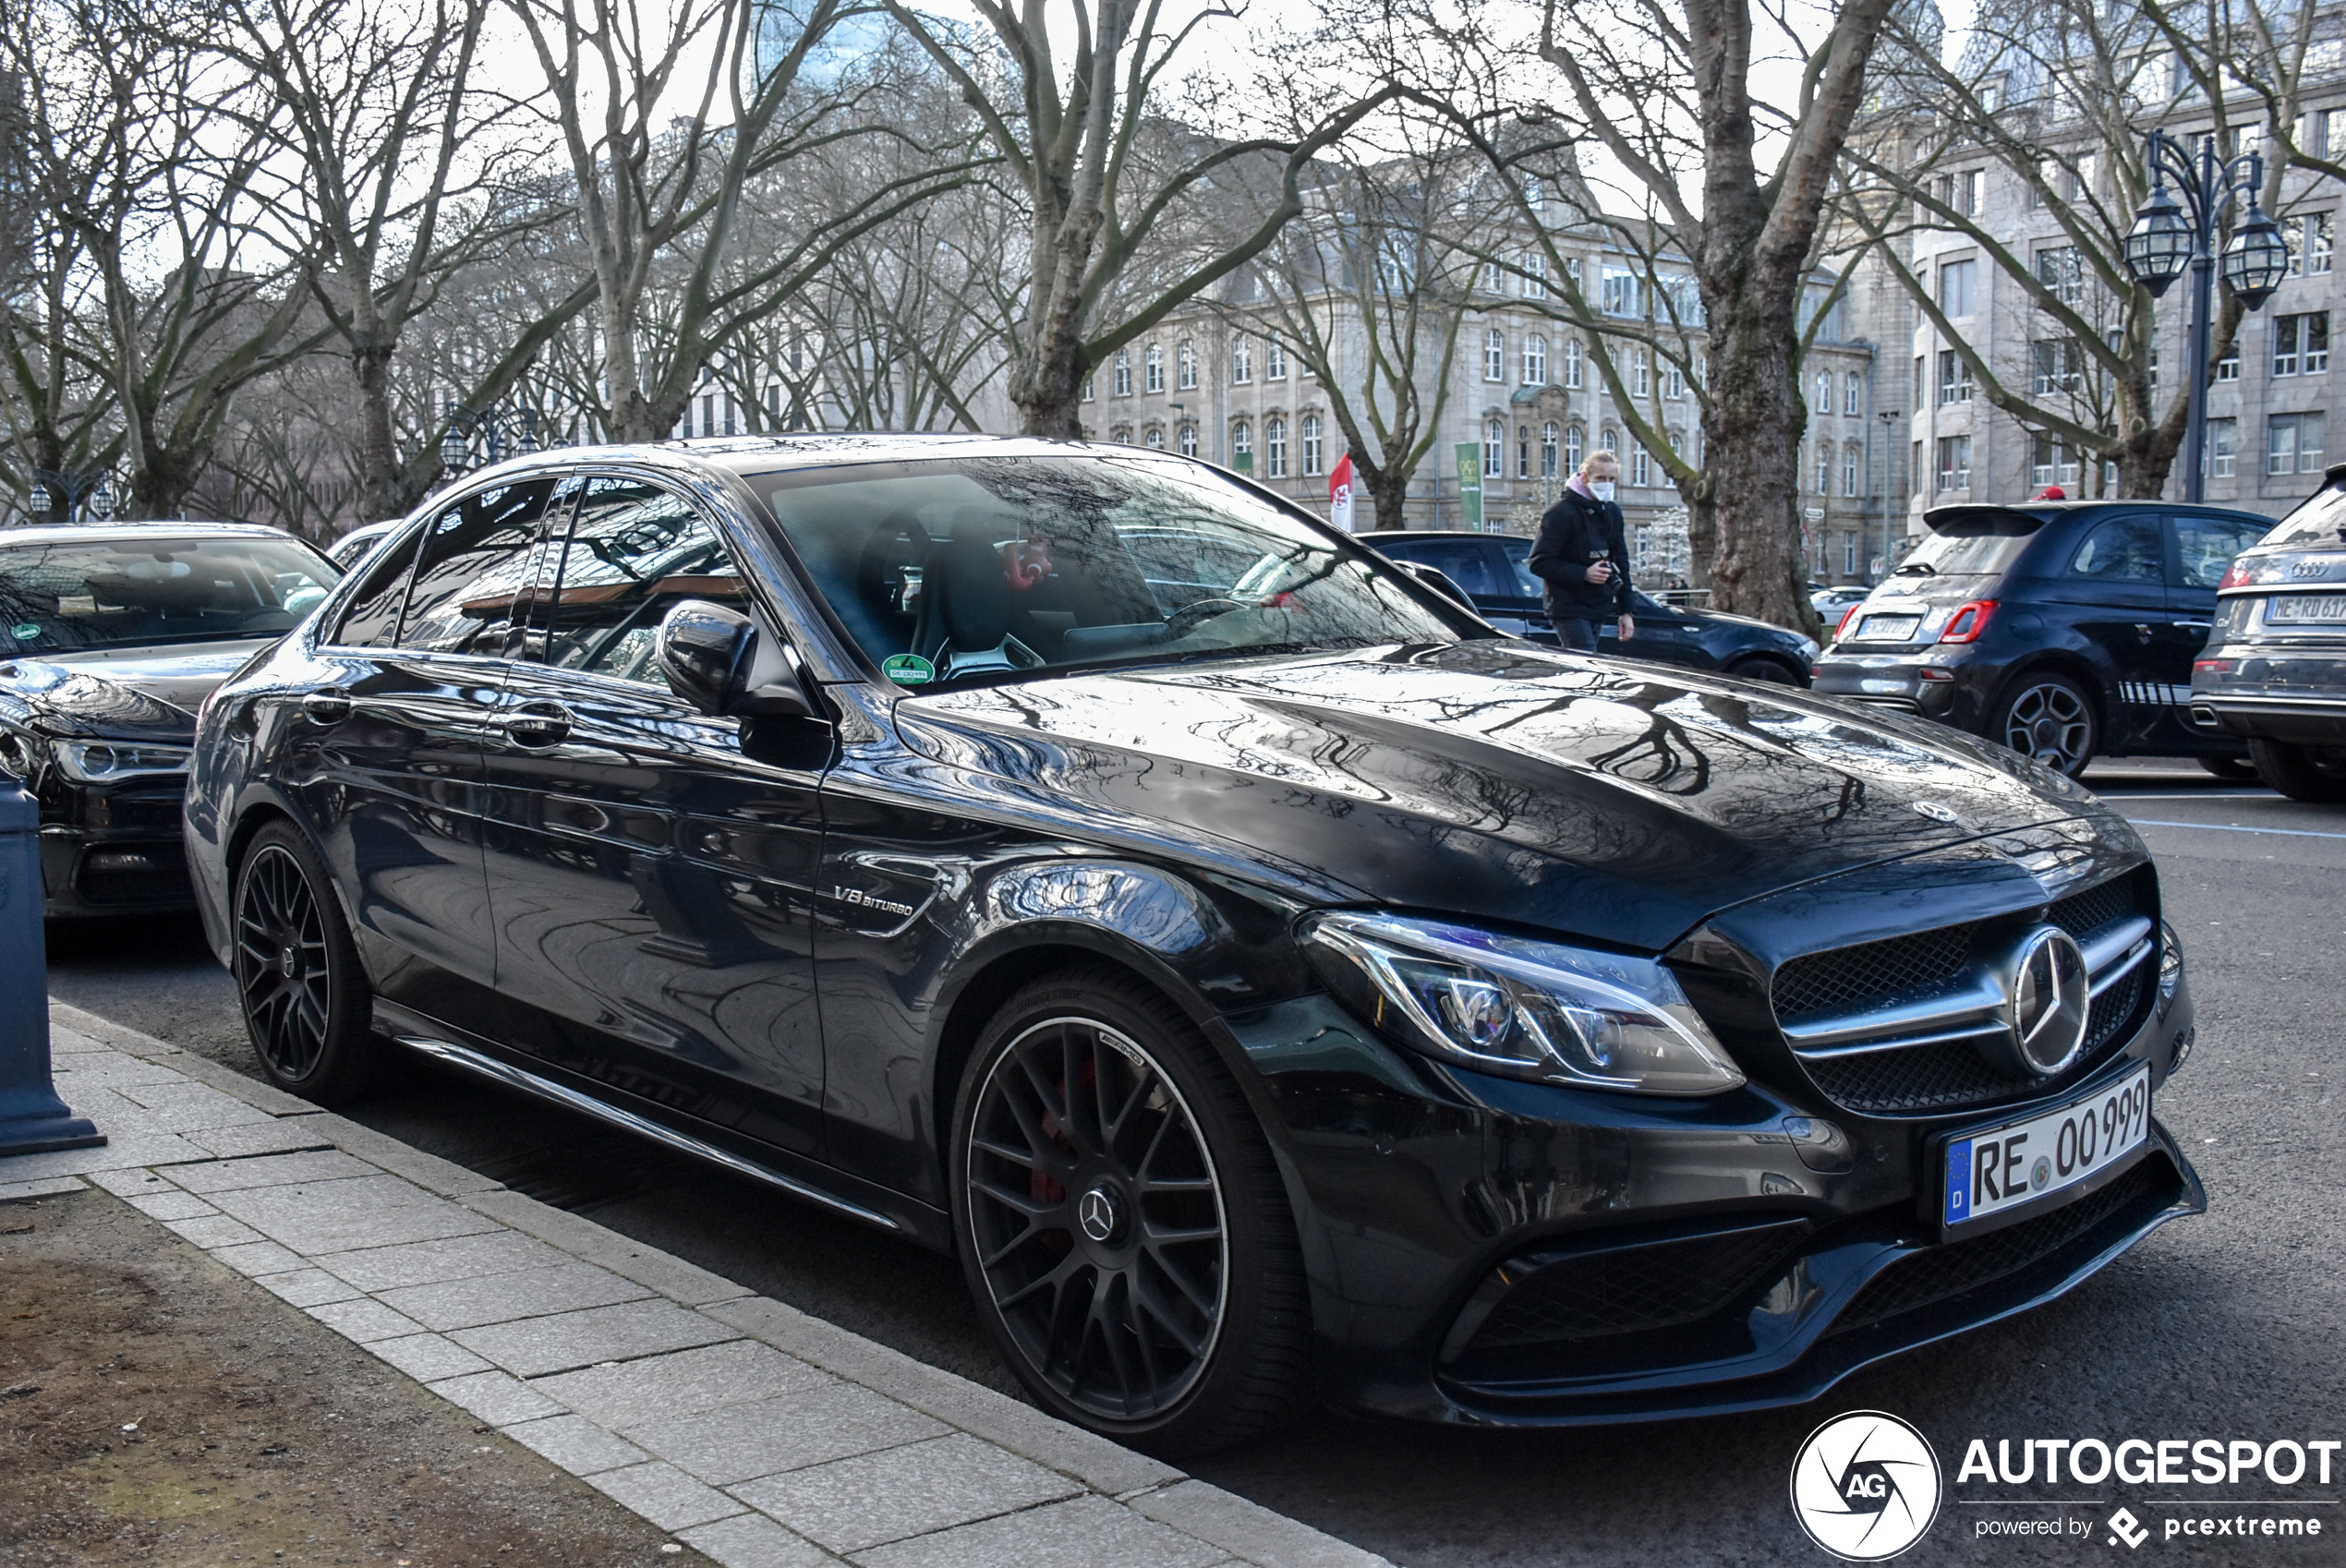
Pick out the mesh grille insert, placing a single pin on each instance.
(1635, 1289)
(2081, 914)
(1873, 973)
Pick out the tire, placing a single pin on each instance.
(2300, 774)
(2236, 770)
(2052, 719)
(1766, 670)
(1133, 1253)
(305, 999)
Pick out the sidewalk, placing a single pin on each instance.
(760, 1436)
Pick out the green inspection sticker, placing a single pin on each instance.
(24, 631)
(909, 669)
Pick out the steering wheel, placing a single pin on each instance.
(1195, 614)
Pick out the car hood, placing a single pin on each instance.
(1495, 780)
(147, 693)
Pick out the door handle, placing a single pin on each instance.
(2197, 626)
(327, 707)
(538, 724)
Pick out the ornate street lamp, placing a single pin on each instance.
(501, 432)
(80, 497)
(2168, 236)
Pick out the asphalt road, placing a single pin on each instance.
(2223, 1327)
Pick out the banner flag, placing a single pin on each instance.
(1340, 493)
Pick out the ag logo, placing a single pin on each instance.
(1865, 1486)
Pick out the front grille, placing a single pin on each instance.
(2082, 914)
(1940, 1273)
(1919, 1078)
(1873, 973)
(1632, 1290)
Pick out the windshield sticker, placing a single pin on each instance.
(24, 631)
(909, 669)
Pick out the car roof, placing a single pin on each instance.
(85, 532)
(1381, 536)
(2046, 510)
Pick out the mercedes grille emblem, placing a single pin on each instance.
(1936, 812)
(2048, 995)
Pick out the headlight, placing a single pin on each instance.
(19, 753)
(103, 762)
(2170, 965)
(1521, 1008)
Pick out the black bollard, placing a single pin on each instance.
(33, 1119)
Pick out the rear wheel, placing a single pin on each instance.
(2300, 772)
(305, 998)
(2050, 717)
(2239, 770)
(1121, 1223)
(1766, 670)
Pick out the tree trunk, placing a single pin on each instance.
(378, 486)
(1388, 491)
(1751, 442)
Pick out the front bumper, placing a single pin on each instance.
(113, 851)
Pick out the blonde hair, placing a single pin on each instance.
(1588, 463)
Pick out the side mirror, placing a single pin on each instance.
(708, 652)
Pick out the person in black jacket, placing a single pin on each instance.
(1581, 556)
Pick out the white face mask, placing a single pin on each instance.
(1600, 489)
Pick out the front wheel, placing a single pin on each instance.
(1121, 1223)
(305, 998)
(1763, 670)
(2237, 770)
(2298, 772)
(2052, 719)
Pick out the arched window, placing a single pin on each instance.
(1310, 433)
(1824, 469)
(1640, 466)
(1121, 435)
(1187, 355)
(1523, 451)
(1548, 437)
(1274, 448)
(1849, 461)
(1187, 440)
(1241, 446)
(1824, 393)
(1241, 362)
(1574, 443)
(1494, 355)
(1153, 364)
(1123, 383)
(1494, 448)
(1853, 393)
(1274, 360)
(1535, 361)
(1640, 374)
(1088, 387)
(1572, 363)
(1155, 437)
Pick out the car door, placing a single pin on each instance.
(390, 764)
(1517, 593)
(650, 865)
(2112, 593)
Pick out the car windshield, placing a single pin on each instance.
(61, 597)
(2320, 521)
(984, 568)
(1976, 546)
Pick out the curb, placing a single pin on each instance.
(761, 1436)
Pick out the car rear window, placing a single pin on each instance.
(1973, 544)
(2321, 520)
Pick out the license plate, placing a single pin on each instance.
(1996, 1169)
(2306, 606)
(1887, 628)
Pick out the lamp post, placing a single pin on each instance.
(1889, 418)
(2168, 236)
(502, 432)
(78, 496)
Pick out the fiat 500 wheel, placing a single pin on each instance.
(1121, 1222)
(304, 996)
(2052, 719)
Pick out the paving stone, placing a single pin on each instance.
(265, 1135)
(185, 1107)
(428, 1171)
(663, 1387)
(172, 1204)
(748, 1541)
(115, 1116)
(737, 1442)
(340, 1216)
(308, 1287)
(875, 1498)
(429, 1263)
(129, 1184)
(584, 1239)
(664, 1494)
(496, 1397)
(271, 1170)
(537, 1345)
(117, 1154)
(1083, 1533)
(213, 1230)
(364, 1321)
(498, 1299)
(257, 1260)
(1250, 1530)
(70, 1041)
(49, 1187)
(576, 1443)
(119, 1069)
(427, 1358)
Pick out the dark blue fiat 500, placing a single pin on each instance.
(1272, 984)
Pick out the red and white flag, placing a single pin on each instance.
(1340, 493)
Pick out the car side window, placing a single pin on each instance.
(634, 551)
(2205, 546)
(2125, 549)
(472, 559)
(1466, 562)
(1517, 553)
(372, 619)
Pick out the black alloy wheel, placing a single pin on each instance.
(1123, 1226)
(2301, 772)
(1762, 670)
(2052, 719)
(304, 996)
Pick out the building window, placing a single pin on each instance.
(1535, 361)
(1674, 380)
(1274, 448)
(1572, 363)
(1310, 433)
(2051, 463)
(1620, 296)
(1573, 442)
(2309, 244)
(1274, 360)
(1824, 468)
(1523, 451)
(1121, 435)
(2228, 368)
(2062, 271)
(1548, 449)
(1122, 384)
(1641, 465)
(2058, 365)
(2223, 442)
(1955, 283)
(1823, 405)
(1494, 277)
(1954, 463)
(1640, 374)
(1609, 439)
(1153, 367)
(1187, 361)
(1494, 355)
(1242, 446)
(1186, 442)
(1917, 380)
(1954, 378)
(1154, 439)
(2293, 444)
(1494, 448)
(1853, 393)
(1849, 471)
(1535, 277)
(1241, 362)
(2301, 344)
(1089, 387)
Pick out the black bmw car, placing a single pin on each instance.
(110, 638)
(1492, 570)
(1273, 984)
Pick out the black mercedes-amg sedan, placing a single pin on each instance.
(1272, 984)
(110, 637)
